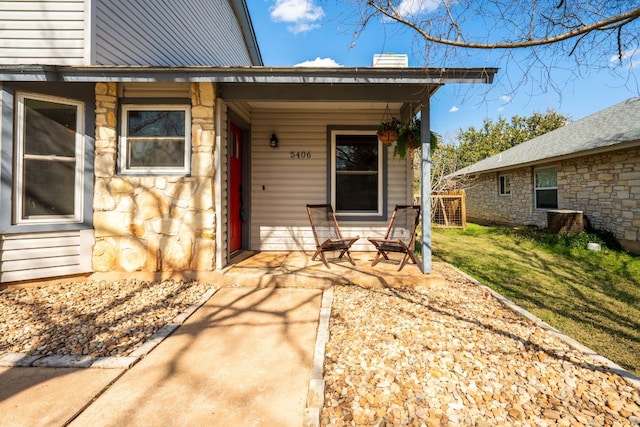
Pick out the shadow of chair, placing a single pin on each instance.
(400, 235)
(327, 234)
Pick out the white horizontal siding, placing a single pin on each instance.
(42, 32)
(44, 255)
(281, 187)
(168, 32)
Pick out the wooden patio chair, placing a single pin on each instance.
(327, 233)
(400, 235)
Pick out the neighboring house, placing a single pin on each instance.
(591, 165)
(148, 136)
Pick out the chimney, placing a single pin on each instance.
(390, 60)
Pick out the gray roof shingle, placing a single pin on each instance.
(604, 129)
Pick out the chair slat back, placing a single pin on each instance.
(323, 222)
(403, 224)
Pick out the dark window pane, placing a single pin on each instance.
(505, 185)
(156, 153)
(357, 193)
(357, 186)
(547, 199)
(156, 123)
(50, 128)
(356, 153)
(48, 188)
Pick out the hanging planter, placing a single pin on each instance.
(387, 136)
(388, 128)
(408, 138)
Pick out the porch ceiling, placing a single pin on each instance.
(328, 92)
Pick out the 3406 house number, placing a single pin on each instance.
(300, 154)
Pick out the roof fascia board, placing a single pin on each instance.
(246, 74)
(244, 18)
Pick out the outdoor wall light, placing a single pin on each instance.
(273, 142)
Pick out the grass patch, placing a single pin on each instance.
(593, 297)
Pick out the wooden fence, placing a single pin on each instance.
(449, 210)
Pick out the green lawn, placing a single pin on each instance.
(593, 297)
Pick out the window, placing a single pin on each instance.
(155, 139)
(505, 185)
(546, 181)
(356, 173)
(49, 159)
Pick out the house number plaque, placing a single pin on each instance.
(300, 154)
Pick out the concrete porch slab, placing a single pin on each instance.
(296, 269)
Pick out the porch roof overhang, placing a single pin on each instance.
(272, 83)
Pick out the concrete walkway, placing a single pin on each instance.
(243, 358)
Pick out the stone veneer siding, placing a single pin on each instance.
(605, 187)
(484, 204)
(154, 223)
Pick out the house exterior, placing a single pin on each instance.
(133, 141)
(591, 165)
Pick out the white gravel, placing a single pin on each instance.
(90, 318)
(451, 354)
(447, 354)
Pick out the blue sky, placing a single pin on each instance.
(321, 32)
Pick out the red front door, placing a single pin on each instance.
(235, 190)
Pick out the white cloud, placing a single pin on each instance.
(300, 13)
(632, 55)
(505, 98)
(453, 109)
(414, 7)
(319, 62)
(302, 28)
(626, 54)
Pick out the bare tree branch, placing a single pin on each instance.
(389, 9)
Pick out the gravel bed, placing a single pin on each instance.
(451, 354)
(443, 355)
(98, 319)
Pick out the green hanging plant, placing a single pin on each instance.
(409, 139)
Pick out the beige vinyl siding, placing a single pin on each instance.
(168, 32)
(42, 32)
(40, 255)
(282, 186)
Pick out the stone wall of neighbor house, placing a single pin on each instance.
(154, 223)
(486, 205)
(605, 187)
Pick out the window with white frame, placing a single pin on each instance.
(155, 139)
(546, 187)
(504, 185)
(49, 159)
(356, 173)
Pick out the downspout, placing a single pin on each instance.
(217, 182)
(425, 196)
